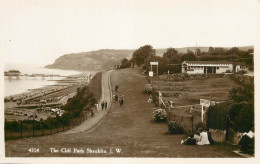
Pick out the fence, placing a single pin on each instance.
(231, 135)
(35, 128)
(188, 123)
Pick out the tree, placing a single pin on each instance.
(141, 54)
(125, 63)
(216, 116)
(245, 118)
(170, 52)
(233, 50)
(189, 56)
(171, 56)
(241, 94)
(211, 50)
(198, 52)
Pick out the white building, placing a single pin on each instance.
(210, 67)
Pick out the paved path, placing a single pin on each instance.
(106, 95)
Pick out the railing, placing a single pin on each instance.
(188, 123)
(35, 128)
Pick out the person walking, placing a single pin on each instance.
(116, 98)
(121, 102)
(105, 104)
(96, 106)
(102, 105)
(116, 88)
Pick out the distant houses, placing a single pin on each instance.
(211, 67)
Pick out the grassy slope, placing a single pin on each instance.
(95, 86)
(130, 128)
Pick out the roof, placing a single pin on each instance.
(208, 62)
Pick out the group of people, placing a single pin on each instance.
(119, 99)
(104, 105)
(201, 137)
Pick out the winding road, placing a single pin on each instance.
(106, 95)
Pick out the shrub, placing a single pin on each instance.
(159, 115)
(216, 116)
(247, 144)
(200, 125)
(245, 118)
(175, 127)
(148, 88)
(242, 72)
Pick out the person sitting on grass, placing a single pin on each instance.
(204, 140)
(189, 141)
(197, 136)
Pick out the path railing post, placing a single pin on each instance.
(5, 129)
(33, 127)
(51, 126)
(42, 128)
(21, 129)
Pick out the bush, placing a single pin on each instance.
(216, 116)
(247, 144)
(242, 72)
(175, 127)
(148, 88)
(200, 125)
(245, 118)
(159, 115)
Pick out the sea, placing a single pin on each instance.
(13, 86)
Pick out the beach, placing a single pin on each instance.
(41, 100)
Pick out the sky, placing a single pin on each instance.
(39, 31)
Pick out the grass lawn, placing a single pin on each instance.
(216, 87)
(130, 128)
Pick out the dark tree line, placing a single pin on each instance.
(171, 59)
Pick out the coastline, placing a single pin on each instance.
(49, 95)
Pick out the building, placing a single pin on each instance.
(240, 66)
(210, 67)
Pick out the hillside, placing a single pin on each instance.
(91, 61)
(106, 58)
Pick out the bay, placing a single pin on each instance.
(15, 85)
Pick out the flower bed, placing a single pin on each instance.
(159, 115)
(169, 94)
(184, 76)
(171, 88)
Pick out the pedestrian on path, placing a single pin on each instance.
(102, 105)
(96, 106)
(121, 102)
(105, 104)
(92, 112)
(116, 88)
(116, 98)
